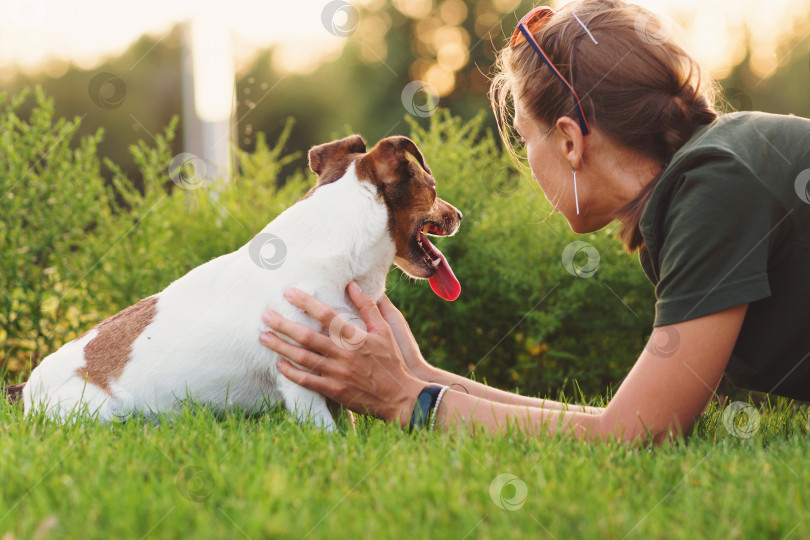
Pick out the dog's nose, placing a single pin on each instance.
(460, 215)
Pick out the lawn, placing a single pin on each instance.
(208, 476)
(76, 251)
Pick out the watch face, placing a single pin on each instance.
(424, 403)
(421, 410)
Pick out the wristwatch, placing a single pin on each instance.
(426, 403)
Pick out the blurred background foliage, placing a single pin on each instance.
(90, 222)
(450, 44)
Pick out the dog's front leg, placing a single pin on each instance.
(305, 404)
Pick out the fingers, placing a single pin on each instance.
(299, 355)
(320, 311)
(307, 337)
(399, 326)
(367, 307)
(325, 314)
(352, 400)
(306, 379)
(389, 311)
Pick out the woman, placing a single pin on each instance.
(619, 125)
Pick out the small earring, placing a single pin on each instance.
(576, 198)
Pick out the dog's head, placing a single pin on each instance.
(405, 184)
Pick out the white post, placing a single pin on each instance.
(208, 93)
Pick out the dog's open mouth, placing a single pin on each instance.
(443, 282)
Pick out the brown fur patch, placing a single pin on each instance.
(108, 353)
(405, 181)
(330, 160)
(334, 172)
(14, 393)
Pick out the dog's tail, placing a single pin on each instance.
(13, 393)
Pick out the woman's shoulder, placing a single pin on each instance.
(699, 179)
(742, 158)
(743, 134)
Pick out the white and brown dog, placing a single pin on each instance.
(198, 338)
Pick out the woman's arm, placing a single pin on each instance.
(663, 394)
(423, 370)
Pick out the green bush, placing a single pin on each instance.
(76, 249)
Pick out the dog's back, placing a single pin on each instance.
(198, 338)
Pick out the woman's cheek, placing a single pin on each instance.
(534, 165)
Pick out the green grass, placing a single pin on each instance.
(204, 476)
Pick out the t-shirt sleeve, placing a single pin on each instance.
(714, 251)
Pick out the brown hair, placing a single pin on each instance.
(640, 89)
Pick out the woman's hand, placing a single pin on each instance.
(362, 370)
(407, 343)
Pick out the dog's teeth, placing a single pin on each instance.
(437, 262)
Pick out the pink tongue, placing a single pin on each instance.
(444, 282)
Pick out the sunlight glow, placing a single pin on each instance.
(212, 60)
(43, 35)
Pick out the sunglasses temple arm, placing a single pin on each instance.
(583, 124)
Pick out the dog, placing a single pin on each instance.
(197, 339)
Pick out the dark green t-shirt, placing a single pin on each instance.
(729, 223)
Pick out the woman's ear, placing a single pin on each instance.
(571, 140)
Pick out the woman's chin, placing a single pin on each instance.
(580, 225)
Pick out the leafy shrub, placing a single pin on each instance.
(77, 249)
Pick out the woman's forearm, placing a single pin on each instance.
(482, 391)
(458, 410)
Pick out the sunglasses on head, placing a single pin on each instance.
(532, 22)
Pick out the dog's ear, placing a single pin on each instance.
(320, 155)
(390, 158)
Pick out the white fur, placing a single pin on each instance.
(203, 342)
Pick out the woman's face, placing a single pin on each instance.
(546, 154)
(608, 175)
